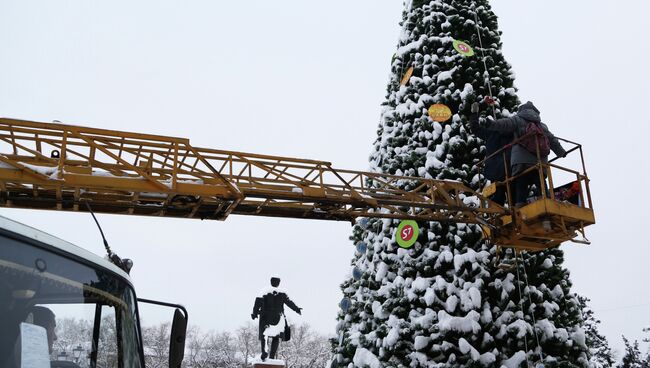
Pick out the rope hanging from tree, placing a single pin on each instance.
(539, 347)
(486, 74)
(521, 307)
(541, 354)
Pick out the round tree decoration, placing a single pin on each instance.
(407, 76)
(361, 247)
(345, 304)
(463, 48)
(363, 222)
(407, 233)
(356, 273)
(439, 112)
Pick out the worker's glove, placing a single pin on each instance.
(485, 123)
(474, 108)
(253, 316)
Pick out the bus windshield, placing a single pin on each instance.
(85, 314)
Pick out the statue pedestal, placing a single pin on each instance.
(269, 363)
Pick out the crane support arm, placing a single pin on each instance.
(57, 166)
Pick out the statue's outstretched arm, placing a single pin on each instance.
(292, 305)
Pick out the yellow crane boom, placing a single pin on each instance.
(58, 166)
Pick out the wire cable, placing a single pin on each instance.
(622, 307)
(521, 307)
(523, 262)
(486, 74)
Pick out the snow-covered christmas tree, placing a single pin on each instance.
(443, 302)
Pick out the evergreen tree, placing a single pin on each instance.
(443, 302)
(632, 357)
(601, 353)
(646, 361)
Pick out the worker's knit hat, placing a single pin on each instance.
(528, 106)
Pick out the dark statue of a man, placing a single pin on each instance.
(270, 308)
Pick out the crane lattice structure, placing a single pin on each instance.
(59, 167)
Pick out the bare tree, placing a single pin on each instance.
(225, 349)
(212, 349)
(248, 344)
(73, 333)
(107, 349)
(305, 349)
(156, 345)
(195, 355)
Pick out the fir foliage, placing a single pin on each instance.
(646, 360)
(632, 357)
(443, 302)
(601, 355)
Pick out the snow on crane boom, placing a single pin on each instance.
(58, 167)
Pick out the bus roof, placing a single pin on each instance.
(51, 240)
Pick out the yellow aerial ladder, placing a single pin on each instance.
(59, 167)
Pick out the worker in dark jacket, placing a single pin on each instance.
(270, 308)
(495, 167)
(520, 157)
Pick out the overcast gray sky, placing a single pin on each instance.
(305, 79)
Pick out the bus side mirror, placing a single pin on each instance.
(177, 334)
(177, 339)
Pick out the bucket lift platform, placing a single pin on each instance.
(543, 224)
(560, 214)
